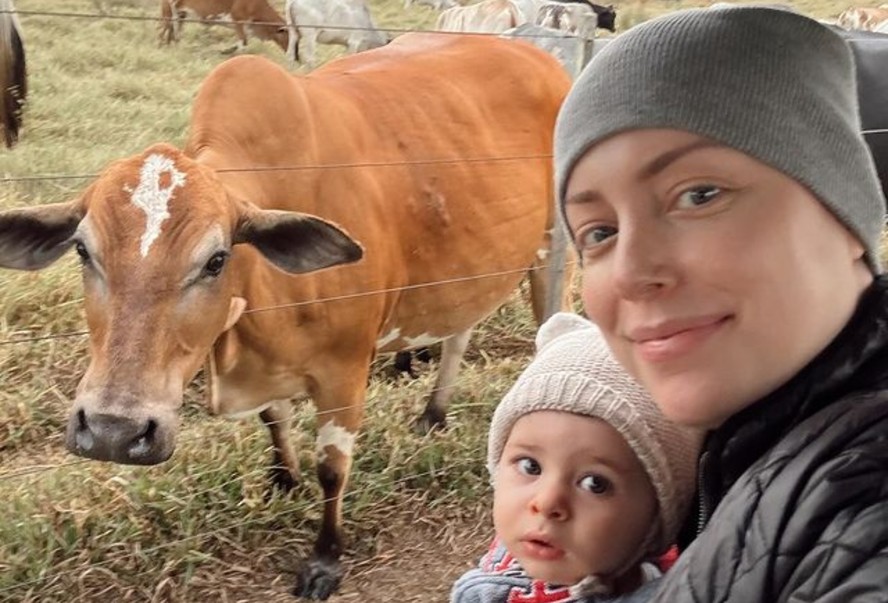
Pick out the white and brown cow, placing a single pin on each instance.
(13, 74)
(253, 16)
(225, 250)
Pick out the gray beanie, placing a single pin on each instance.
(771, 83)
(574, 371)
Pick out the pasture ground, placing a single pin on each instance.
(199, 527)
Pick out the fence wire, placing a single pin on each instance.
(34, 469)
(320, 300)
(211, 21)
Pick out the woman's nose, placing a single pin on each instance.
(643, 261)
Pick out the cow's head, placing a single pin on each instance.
(155, 234)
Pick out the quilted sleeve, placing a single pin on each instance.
(807, 523)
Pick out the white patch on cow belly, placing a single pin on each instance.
(542, 254)
(388, 338)
(334, 435)
(152, 199)
(422, 340)
(245, 414)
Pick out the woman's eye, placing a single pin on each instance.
(595, 484)
(215, 264)
(594, 236)
(80, 248)
(528, 466)
(696, 197)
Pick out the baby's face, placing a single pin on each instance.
(571, 498)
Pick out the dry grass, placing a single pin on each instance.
(198, 528)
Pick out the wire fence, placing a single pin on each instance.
(67, 464)
(253, 23)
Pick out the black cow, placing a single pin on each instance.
(871, 55)
(13, 75)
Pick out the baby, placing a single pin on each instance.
(590, 481)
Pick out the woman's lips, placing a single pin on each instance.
(673, 339)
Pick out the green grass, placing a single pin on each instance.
(197, 527)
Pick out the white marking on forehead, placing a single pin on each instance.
(151, 198)
(388, 338)
(334, 435)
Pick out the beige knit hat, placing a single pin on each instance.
(574, 371)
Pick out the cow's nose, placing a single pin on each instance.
(118, 439)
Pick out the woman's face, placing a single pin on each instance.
(714, 277)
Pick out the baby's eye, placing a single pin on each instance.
(697, 197)
(528, 466)
(594, 236)
(595, 484)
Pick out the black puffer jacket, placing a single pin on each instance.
(799, 484)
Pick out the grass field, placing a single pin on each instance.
(198, 527)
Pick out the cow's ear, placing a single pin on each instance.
(297, 242)
(34, 237)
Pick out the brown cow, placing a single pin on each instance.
(436, 163)
(13, 75)
(256, 16)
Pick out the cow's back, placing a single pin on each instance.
(457, 134)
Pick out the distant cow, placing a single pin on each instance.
(254, 16)
(13, 74)
(865, 19)
(488, 16)
(606, 15)
(573, 18)
(344, 22)
(423, 175)
(436, 4)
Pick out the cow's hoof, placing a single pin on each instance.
(280, 480)
(318, 579)
(431, 419)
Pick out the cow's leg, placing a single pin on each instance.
(340, 409)
(167, 14)
(293, 44)
(240, 17)
(284, 472)
(309, 47)
(404, 363)
(452, 350)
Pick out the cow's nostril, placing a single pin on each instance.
(144, 442)
(84, 436)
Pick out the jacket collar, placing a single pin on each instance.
(856, 360)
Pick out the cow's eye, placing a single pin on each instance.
(80, 248)
(215, 264)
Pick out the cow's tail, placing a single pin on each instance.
(13, 75)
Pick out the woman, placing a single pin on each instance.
(727, 212)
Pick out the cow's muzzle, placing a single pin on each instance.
(119, 439)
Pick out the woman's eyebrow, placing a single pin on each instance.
(647, 171)
(664, 160)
